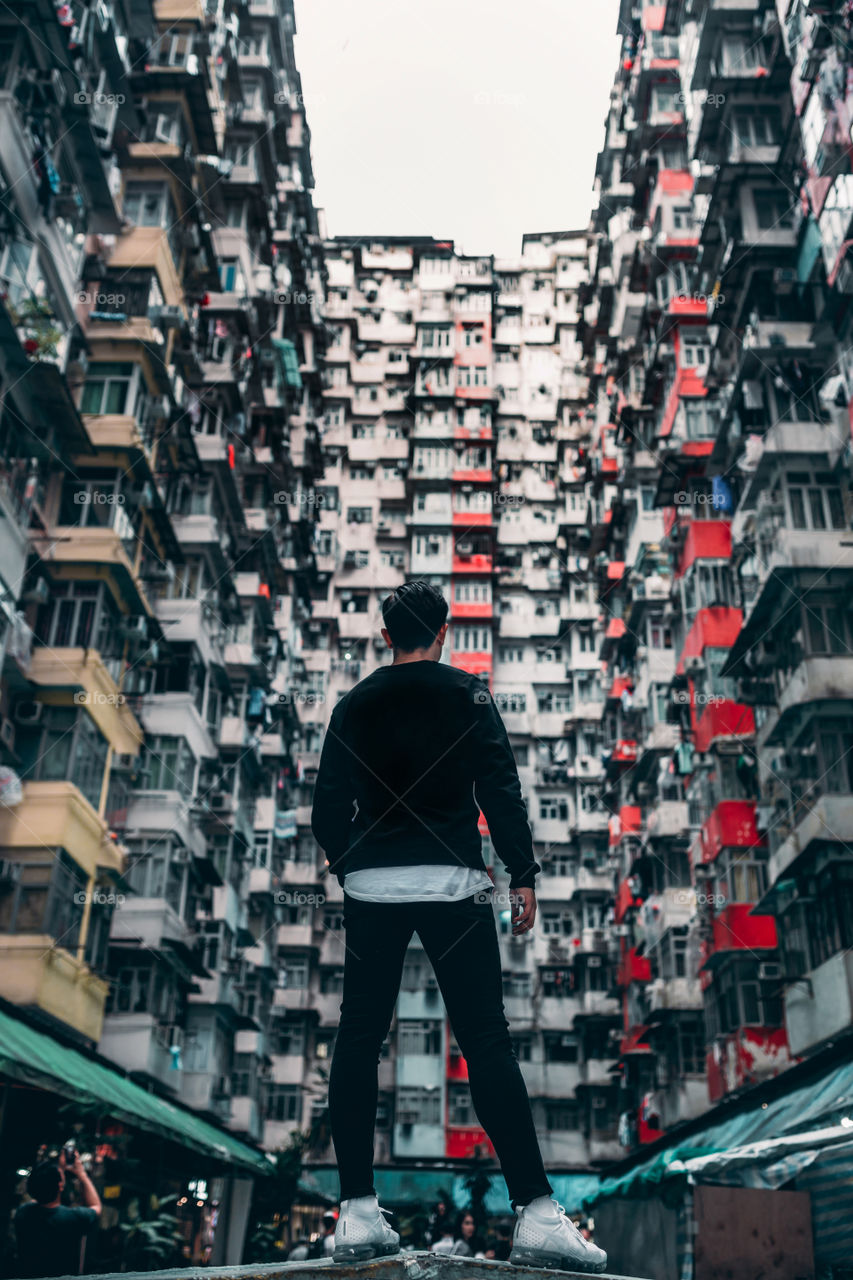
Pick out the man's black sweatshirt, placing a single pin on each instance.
(411, 755)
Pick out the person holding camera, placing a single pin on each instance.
(411, 757)
(51, 1235)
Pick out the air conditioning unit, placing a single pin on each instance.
(220, 799)
(769, 971)
(594, 962)
(28, 711)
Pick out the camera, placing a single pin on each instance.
(69, 1151)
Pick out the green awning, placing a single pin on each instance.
(288, 360)
(33, 1058)
(822, 1101)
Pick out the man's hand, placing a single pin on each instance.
(523, 910)
(78, 1168)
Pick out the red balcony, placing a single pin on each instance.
(624, 753)
(477, 475)
(745, 1057)
(731, 825)
(687, 308)
(634, 1041)
(477, 664)
(477, 435)
(481, 564)
(457, 1067)
(723, 719)
(716, 628)
(466, 609)
(621, 684)
(463, 1144)
(625, 901)
(474, 393)
(472, 519)
(633, 968)
(706, 540)
(734, 929)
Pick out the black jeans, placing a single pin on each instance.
(461, 942)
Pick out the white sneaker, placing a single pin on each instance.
(362, 1232)
(545, 1236)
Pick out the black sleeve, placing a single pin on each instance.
(332, 812)
(498, 793)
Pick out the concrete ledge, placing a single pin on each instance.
(403, 1266)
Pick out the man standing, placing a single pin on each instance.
(50, 1234)
(411, 756)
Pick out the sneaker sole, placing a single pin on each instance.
(364, 1252)
(522, 1257)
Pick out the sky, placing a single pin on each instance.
(470, 120)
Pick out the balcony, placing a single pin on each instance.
(55, 815)
(149, 247)
(815, 680)
(84, 671)
(668, 820)
(35, 972)
(92, 552)
(819, 1005)
(295, 935)
(829, 819)
(731, 825)
(736, 930)
(149, 812)
(665, 995)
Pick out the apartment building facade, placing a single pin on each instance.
(162, 269)
(454, 428)
(715, 329)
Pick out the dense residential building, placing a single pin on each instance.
(455, 419)
(716, 327)
(162, 268)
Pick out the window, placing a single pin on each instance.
(290, 1040)
(293, 974)
(460, 1108)
(284, 1103)
(472, 639)
(511, 653)
(814, 501)
(828, 629)
(169, 764)
(755, 128)
(553, 809)
(434, 338)
(472, 375)
(418, 1106)
(561, 1048)
(148, 204)
(110, 388)
(423, 1038)
(561, 1116)
(773, 208)
(165, 123)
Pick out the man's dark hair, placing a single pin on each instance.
(413, 615)
(44, 1182)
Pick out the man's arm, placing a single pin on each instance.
(498, 793)
(332, 812)
(91, 1199)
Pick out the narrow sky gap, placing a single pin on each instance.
(478, 120)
